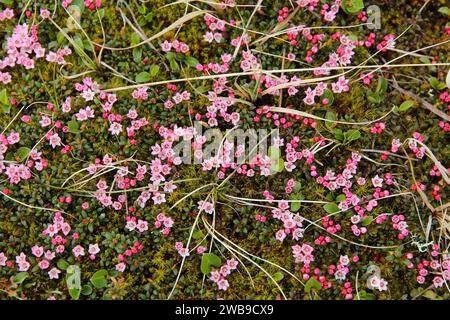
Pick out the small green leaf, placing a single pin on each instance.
(331, 208)
(341, 198)
(352, 135)
(62, 264)
(436, 84)
(100, 274)
(405, 106)
(73, 126)
(86, 290)
(208, 260)
(143, 77)
(197, 235)
(99, 282)
(278, 276)
(4, 101)
(444, 10)
(135, 38)
(312, 283)
(75, 293)
(22, 153)
(430, 295)
(338, 134)
(331, 116)
(274, 152)
(4, 97)
(366, 221)
(374, 97)
(137, 55)
(191, 61)
(382, 86)
(20, 277)
(154, 70)
(352, 6)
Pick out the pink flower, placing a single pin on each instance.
(223, 284)
(54, 273)
(201, 249)
(43, 264)
(3, 259)
(37, 251)
(78, 251)
(93, 249)
(121, 266)
(115, 128)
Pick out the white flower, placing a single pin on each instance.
(115, 128)
(54, 140)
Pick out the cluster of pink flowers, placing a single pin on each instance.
(347, 291)
(378, 128)
(6, 14)
(58, 56)
(178, 46)
(19, 48)
(419, 152)
(182, 251)
(281, 121)
(440, 268)
(434, 172)
(341, 85)
(260, 217)
(331, 226)
(139, 225)
(362, 16)
(216, 27)
(366, 78)
(294, 32)
(283, 14)
(399, 223)
(224, 4)
(292, 223)
(219, 105)
(387, 43)
(206, 206)
(329, 12)
(22, 263)
(140, 93)
(178, 98)
(375, 282)
(240, 40)
(216, 67)
(93, 4)
(335, 182)
(249, 61)
(219, 276)
(435, 192)
(163, 221)
(370, 41)
(322, 240)
(308, 4)
(88, 89)
(342, 57)
(318, 91)
(303, 254)
(44, 257)
(342, 268)
(66, 3)
(137, 247)
(18, 172)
